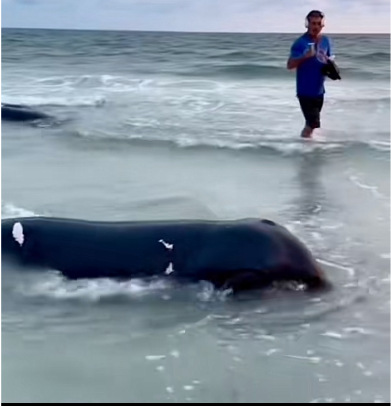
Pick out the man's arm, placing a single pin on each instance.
(296, 56)
(294, 63)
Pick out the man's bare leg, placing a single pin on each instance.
(307, 132)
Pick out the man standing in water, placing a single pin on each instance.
(309, 54)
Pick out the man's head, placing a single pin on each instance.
(315, 22)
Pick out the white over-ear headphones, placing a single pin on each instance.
(314, 13)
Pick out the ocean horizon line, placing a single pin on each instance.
(190, 32)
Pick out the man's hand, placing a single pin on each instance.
(311, 53)
(294, 63)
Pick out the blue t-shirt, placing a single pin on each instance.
(309, 77)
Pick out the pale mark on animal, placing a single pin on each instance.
(17, 233)
(170, 269)
(167, 245)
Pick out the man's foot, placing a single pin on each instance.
(307, 132)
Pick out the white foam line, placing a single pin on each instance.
(267, 338)
(8, 211)
(349, 270)
(57, 287)
(331, 334)
(357, 330)
(155, 357)
(314, 360)
(373, 189)
(272, 352)
(331, 227)
(380, 145)
(98, 100)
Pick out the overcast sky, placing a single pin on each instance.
(196, 15)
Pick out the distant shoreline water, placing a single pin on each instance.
(204, 55)
(197, 32)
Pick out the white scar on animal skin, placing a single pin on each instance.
(168, 246)
(17, 233)
(170, 269)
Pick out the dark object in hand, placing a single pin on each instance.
(331, 70)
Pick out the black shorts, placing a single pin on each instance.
(311, 108)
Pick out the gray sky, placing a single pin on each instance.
(197, 15)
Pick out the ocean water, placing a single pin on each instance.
(171, 125)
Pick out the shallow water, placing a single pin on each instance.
(149, 135)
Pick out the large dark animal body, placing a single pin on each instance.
(20, 113)
(244, 254)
